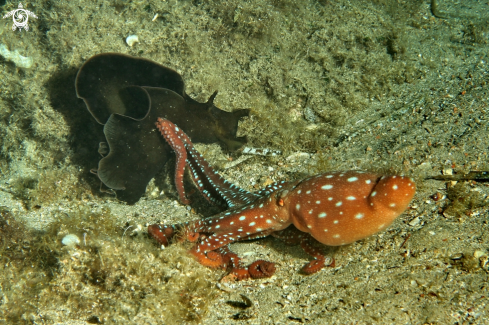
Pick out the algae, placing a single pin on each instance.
(113, 275)
(381, 85)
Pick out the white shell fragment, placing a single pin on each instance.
(14, 56)
(131, 40)
(70, 240)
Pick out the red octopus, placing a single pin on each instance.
(333, 209)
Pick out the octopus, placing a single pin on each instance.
(333, 209)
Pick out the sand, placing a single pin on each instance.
(385, 86)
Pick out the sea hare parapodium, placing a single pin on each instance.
(127, 94)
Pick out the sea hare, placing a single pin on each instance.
(127, 94)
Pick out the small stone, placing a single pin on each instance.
(131, 40)
(70, 240)
(479, 253)
(448, 171)
(457, 256)
(415, 222)
(155, 193)
(484, 263)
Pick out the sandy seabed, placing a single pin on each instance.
(386, 86)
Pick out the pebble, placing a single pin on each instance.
(132, 39)
(70, 240)
(479, 253)
(415, 222)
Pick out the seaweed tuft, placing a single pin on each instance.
(108, 277)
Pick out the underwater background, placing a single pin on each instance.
(389, 86)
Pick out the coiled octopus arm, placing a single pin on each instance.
(212, 186)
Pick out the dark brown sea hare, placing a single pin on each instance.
(127, 95)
